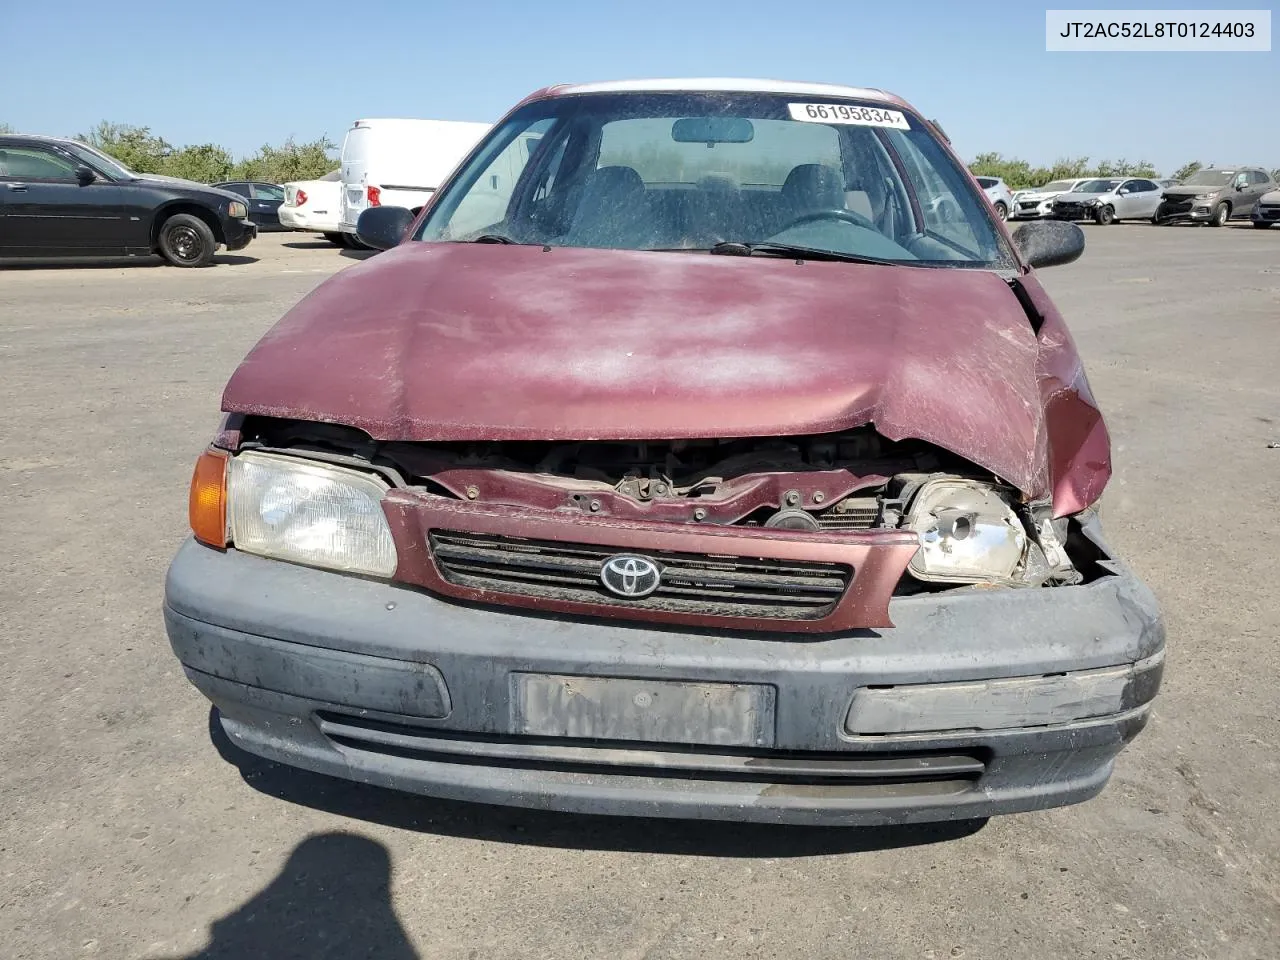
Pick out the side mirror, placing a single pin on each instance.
(1239, 185)
(85, 176)
(383, 227)
(1049, 243)
(1123, 192)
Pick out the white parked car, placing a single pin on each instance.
(313, 205)
(1038, 201)
(998, 193)
(400, 163)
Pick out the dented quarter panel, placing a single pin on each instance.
(490, 342)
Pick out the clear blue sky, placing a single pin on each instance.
(242, 74)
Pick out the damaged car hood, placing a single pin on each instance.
(505, 342)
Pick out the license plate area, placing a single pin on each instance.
(646, 711)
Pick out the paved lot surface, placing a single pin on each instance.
(124, 833)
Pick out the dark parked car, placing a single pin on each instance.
(264, 201)
(702, 449)
(1214, 196)
(61, 198)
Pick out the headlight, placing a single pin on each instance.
(968, 532)
(237, 210)
(1205, 196)
(311, 513)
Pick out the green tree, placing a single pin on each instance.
(206, 162)
(289, 161)
(135, 147)
(6, 128)
(1187, 169)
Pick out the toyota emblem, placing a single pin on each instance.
(630, 576)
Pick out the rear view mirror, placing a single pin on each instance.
(85, 176)
(383, 227)
(711, 130)
(1049, 243)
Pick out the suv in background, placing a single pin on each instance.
(1214, 196)
(61, 198)
(998, 193)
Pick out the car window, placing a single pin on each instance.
(1146, 185)
(1258, 176)
(240, 188)
(35, 163)
(266, 191)
(947, 213)
(986, 182)
(487, 202)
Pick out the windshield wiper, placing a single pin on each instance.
(735, 248)
(490, 238)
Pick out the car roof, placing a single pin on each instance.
(721, 85)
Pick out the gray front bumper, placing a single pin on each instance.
(388, 685)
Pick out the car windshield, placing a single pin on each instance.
(96, 158)
(1209, 178)
(1059, 185)
(1097, 186)
(683, 171)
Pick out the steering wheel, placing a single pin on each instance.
(848, 216)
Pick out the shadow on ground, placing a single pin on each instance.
(331, 899)
(317, 244)
(570, 831)
(112, 263)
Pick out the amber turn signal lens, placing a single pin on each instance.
(208, 507)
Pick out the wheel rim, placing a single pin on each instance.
(184, 242)
(1002, 212)
(1221, 218)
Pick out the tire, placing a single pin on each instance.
(353, 242)
(335, 238)
(1001, 210)
(1221, 213)
(186, 241)
(1105, 216)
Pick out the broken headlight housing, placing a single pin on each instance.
(969, 533)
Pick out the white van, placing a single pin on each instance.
(400, 163)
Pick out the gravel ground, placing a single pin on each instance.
(125, 832)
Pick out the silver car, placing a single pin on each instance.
(1038, 201)
(1109, 200)
(998, 193)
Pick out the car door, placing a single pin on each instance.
(266, 201)
(1259, 183)
(49, 211)
(1143, 198)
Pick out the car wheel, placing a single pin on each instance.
(1220, 214)
(1001, 210)
(336, 239)
(187, 241)
(1105, 215)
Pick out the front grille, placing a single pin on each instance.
(1028, 204)
(1076, 211)
(1170, 206)
(1268, 213)
(691, 583)
(937, 772)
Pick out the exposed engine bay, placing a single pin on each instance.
(855, 480)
